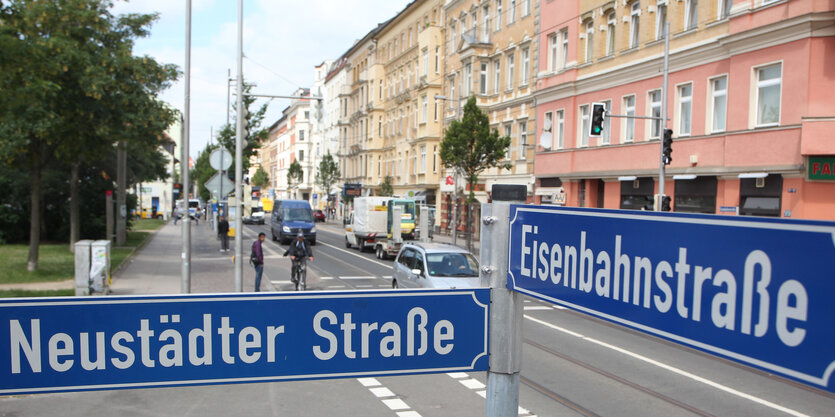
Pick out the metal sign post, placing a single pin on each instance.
(506, 305)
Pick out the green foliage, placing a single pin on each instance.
(328, 173)
(294, 174)
(203, 171)
(260, 178)
(254, 134)
(386, 190)
(471, 147)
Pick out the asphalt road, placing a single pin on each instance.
(573, 365)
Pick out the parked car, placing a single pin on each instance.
(319, 216)
(290, 217)
(257, 216)
(434, 265)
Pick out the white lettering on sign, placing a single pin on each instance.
(389, 340)
(660, 284)
(168, 349)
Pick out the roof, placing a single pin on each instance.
(433, 247)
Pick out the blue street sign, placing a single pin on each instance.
(73, 344)
(754, 290)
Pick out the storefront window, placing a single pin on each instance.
(760, 196)
(696, 196)
(637, 194)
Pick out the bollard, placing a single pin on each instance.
(82, 267)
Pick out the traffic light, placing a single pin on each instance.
(665, 203)
(667, 147)
(598, 115)
(649, 204)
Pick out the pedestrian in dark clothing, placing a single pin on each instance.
(223, 232)
(257, 259)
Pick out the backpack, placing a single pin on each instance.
(253, 257)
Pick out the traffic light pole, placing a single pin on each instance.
(185, 270)
(663, 125)
(239, 243)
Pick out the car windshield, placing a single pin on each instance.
(194, 204)
(297, 214)
(408, 209)
(452, 265)
(257, 210)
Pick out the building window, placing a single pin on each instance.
(482, 79)
(685, 107)
(760, 196)
(380, 127)
(691, 14)
(434, 159)
(719, 103)
(552, 52)
(637, 194)
(497, 72)
(301, 155)
(660, 19)
(523, 139)
(584, 125)
(629, 109)
(634, 24)
(605, 136)
(437, 59)
(655, 111)
(724, 8)
(301, 135)
(511, 13)
(414, 163)
(560, 136)
(508, 131)
(425, 62)
(589, 41)
(423, 159)
(468, 80)
(436, 111)
(548, 126)
(499, 14)
(424, 108)
(526, 66)
(769, 80)
(610, 34)
(485, 35)
(564, 51)
(696, 196)
(510, 65)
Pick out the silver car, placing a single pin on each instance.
(434, 265)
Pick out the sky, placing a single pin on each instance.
(283, 42)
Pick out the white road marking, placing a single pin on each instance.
(483, 393)
(537, 308)
(365, 286)
(408, 414)
(369, 382)
(471, 383)
(280, 282)
(458, 375)
(365, 277)
(323, 278)
(381, 392)
(354, 254)
(336, 286)
(675, 370)
(559, 307)
(396, 404)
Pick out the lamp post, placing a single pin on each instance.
(454, 178)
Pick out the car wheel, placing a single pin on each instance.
(273, 235)
(347, 243)
(394, 284)
(313, 242)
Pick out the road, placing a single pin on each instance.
(573, 365)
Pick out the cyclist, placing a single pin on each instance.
(298, 250)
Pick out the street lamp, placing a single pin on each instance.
(454, 180)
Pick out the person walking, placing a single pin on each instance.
(223, 232)
(176, 214)
(256, 258)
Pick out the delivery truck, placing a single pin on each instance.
(367, 223)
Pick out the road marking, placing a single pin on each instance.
(369, 382)
(280, 282)
(381, 392)
(537, 308)
(326, 278)
(396, 404)
(559, 307)
(366, 286)
(458, 375)
(483, 393)
(336, 286)
(354, 254)
(675, 370)
(471, 383)
(408, 414)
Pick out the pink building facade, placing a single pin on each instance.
(750, 101)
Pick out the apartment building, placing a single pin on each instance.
(748, 101)
(491, 51)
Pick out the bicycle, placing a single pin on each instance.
(298, 274)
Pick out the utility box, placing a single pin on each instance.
(92, 267)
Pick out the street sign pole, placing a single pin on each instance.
(663, 123)
(185, 280)
(505, 310)
(239, 243)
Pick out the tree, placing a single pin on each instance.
(470, 147)
(328, 174)
(71, 88)
(295, 174)
(260, 178)
(203, 172)
(254, 134)
(386, 190)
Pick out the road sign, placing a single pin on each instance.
(220, 159)
(754, 290)
(214, 185)
(72, 344)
